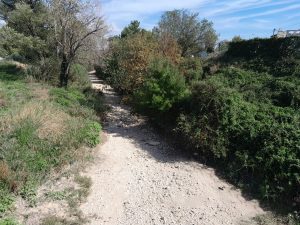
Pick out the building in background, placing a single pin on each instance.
(287, 33)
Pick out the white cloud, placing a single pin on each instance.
(227, 15)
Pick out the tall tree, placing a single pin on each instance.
(192, 35)
(30, 21)
(75, 23)
(131, 29)
(7, 6)
(26, 31)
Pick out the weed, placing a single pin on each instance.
(28, 192)
(6, 198)
(40, 135)
(53, 220)
(57, 195)
(8, 222)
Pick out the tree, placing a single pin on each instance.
(223, 46)
(129, 59)
(131, 29)
(28, 21)
(191, 34)
(236, 38)
(26, 48)
(6, 6)
(75, 23)
(169, 48)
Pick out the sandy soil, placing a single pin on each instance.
(138, 179)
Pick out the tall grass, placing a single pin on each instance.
(39, 135)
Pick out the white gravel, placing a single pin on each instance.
(139, 180)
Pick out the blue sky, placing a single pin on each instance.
(248, 18)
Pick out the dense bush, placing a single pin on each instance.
(79, 76)
(279, 57)
(128, 61)
(191, 68)
(163, 87)
(240, 112)
(231, 121)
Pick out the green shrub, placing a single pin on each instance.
(255, 142)
(277, 56)
(89, 133)
(191, 69)
(8, 222)
(100, 72)
(79, 76)
(6, 198)
(164, 87)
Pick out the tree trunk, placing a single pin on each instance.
(64, 71)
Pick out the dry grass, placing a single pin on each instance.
(41, 93)
(4, 171)
(2, 103)
(50, 120)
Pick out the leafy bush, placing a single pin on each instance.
(164, 87)
(6, 198)
(277, 56)
(255, 142)
(191, 69)
(8, 222)
(79, 76)
(128, 61)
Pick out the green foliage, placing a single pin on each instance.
(79, 77)
(29, 20)
(6, 198)
(164, 87)
(77, 103)
(132, 29)
(20, 47)
(89, 134)
(67, 97)
(233, 119)
(57, 195)
(279, 57)
(40, 135)
(236, 39)
(8, 222)
(128, 61)
(191, 69)
(28, 192)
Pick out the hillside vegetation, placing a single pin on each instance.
(43, 129)
(238, 111)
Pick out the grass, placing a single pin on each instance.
(42, 129)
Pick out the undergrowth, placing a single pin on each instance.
(39, 135)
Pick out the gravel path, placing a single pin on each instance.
(139, 180)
